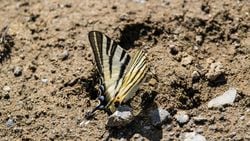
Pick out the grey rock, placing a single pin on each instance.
(192, 136)
(181, 117)
(121, 117)
(227, 98)
(10, 122)
(17, 71)
(158, 116)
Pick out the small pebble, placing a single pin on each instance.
(242, 117)
(6, 88)
(199, 39)
(44, 80)
(187, 60)
(64, 55)
(212, 127)
(181, 117)
(17, 71)
(10, 122)
(195, 75)
(173, 49)
(152, 82)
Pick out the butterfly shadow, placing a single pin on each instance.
(132, 33)
(141, 125)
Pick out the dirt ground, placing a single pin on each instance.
(47, 71)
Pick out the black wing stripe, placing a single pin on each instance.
(99, 38)
(123, 68)
(122, 55)
(108, 45)
(93, 42)
(113, 49)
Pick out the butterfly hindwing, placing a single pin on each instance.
(133, 77)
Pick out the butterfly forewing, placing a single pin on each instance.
(111, 60)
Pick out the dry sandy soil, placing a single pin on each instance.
(47, 71)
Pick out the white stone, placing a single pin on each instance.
(6, 88)
(181, 117)
(227, 98)
(192, 136)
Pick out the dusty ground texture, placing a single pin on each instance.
(196, 50)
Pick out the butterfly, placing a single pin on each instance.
(120, 74)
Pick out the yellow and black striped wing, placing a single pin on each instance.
(134, 76)
(111, 61)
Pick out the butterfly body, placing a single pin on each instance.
(121, 75)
